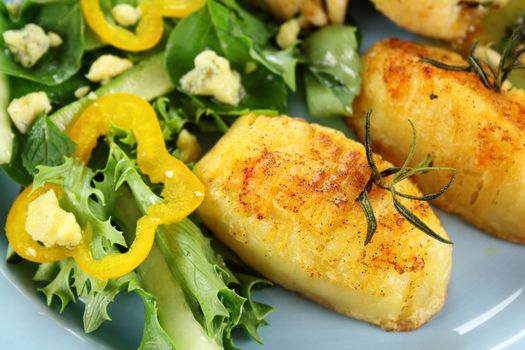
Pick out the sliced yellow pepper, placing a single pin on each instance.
(178, 8)
(149, 28)
(20, 240)
(182, 193)
(147, 34)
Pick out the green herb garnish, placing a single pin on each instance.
(492, 76)
(399, 174)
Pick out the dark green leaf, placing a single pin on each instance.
(218, 28)
(46, 145)
(15, 168)
(58, 64)
(59, 94)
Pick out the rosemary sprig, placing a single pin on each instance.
(492, 77)
(398, 174)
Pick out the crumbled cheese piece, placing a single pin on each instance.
(213, 76)
(189, 147)
(81, 91)
(27, 45)
(107, 67)
(288, 33)
(54, 39)
(51, 225)
(126, 15)
(24, 110)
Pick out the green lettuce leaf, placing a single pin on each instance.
(217, 298)
(45, 144)
(58, 64)
(332, 76)
(188, 290)
(225, 28)
(81, 198)
(67, 282)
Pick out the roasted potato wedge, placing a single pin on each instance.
(441, 19)
(460, 123)
(282, 194)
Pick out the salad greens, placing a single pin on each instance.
(61, 17)
(332, 77)
(46, 144)
(227, 32)
(213, 293)
(194, 290)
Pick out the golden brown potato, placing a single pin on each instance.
(282, 194)
(459, 122)
(442, 19)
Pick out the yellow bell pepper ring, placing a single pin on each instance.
(147, 33)
(182, 192)
(178, 8)
(149, 28)
(20, 240)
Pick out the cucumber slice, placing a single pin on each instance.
(148, 79)
(6, 135)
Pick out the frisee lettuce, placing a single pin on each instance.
(196, 291)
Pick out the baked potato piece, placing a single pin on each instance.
(441, 19)
(460, 123)
(282, 194)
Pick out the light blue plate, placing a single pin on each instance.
(485, 307)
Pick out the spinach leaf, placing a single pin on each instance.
(231, 32)
(59, 95)
(58, 64)
(15, 168)
(46, 145)
(332, 77)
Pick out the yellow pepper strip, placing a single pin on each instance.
(178, 8)
(147, 34)
(20, 240)
(182, 193)
(149, 29)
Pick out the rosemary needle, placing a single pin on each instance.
(492, 77)
(398, 174)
